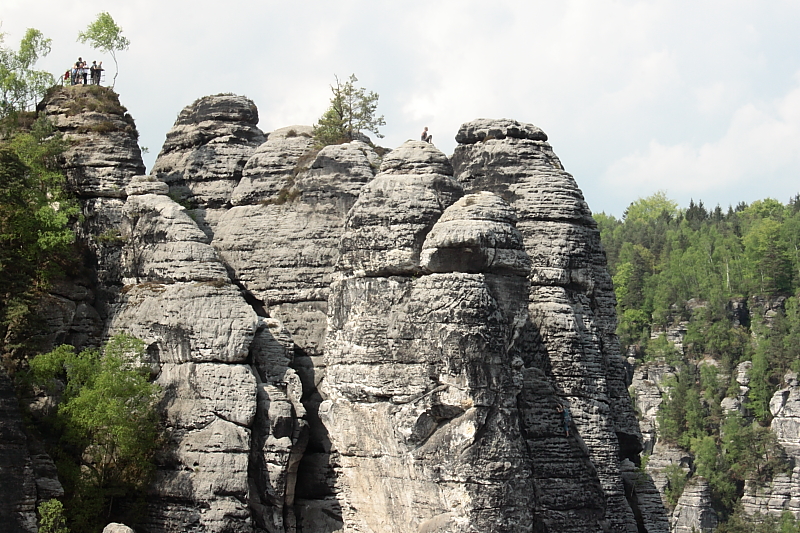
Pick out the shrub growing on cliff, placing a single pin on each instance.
(104, 432)
(352, 110)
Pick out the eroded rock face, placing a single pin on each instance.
(206, 151)
(386, 228)
(283, 249)
(104, 152)
(694, 513)
(783, 492)
(435, 384)
(435, 333)
(422, 395)
(571, 297)
(273, 165)
(198, 330)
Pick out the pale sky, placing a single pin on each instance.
(697, 98)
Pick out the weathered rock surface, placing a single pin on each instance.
(424, 361)
(274, 165)
(477, 234)
(694, 513)
(104, 151)
(571, 298)
(340, 350)
(783, 492)
(198, 330)
(283, 249)
(206, 151)
(394, 213)
(422, 397)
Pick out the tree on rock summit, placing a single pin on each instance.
(352, 110)
(105, 35)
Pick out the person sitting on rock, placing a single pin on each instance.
(564, 410)
(425, 137)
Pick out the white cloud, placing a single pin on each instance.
(758, 156)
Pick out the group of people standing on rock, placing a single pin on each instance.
(79, 73)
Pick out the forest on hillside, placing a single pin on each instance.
(727, 281)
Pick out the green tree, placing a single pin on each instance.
(105, 429)
(105, 35)
(20, 85)
(51, 517)
(35, 238)
(651, 208)
(352, 110)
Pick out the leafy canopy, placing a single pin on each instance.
(20, 85)
(352, 110)
(105, 430)
(35, 237)
(104, 34)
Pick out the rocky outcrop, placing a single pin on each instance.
(649, 389)
(693, 513)
(102, 157)
(28, 474)
(421, 388)
(783, 492)
(571, 297)
(103, 152)
(282, 248)
(198, 330)
(431, 337)
(205, 153)
(345, 350)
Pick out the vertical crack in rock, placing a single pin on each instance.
(279, 242)
(571, 296)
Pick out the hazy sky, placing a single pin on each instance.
(698, 98)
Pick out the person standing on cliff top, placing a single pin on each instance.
(425, 137)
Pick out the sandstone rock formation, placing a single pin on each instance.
(205, 153)
(341, 350)
(571, 297)
(783, 492)
(693, 513)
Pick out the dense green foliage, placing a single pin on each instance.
(732, 279)
(741, 523)
(20, 85)
(51, 517)
(103, 434)
(35, 238)
(352, 110)
(105, 35)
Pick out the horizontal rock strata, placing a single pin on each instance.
(571, 296)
